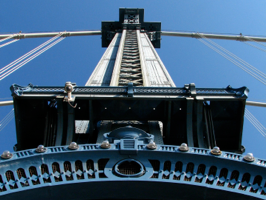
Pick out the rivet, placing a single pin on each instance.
(73, 146)
(183, 147)
(40, 149)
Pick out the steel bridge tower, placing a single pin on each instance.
(130, 133)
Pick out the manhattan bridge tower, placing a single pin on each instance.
(130, 133)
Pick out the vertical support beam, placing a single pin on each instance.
(70, 124)
(145, 76)
(167, 128)
(162, 77)
(102, 74)
(154, 128)
(105, 127)
(17, 120)
(91, 125)
(60, 123)
(117, 66)
(190, 122)
(200, 123)
(211, 128)
(207, 125)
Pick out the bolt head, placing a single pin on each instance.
(105, 144)
(73, 146)
(183, 147)
(40, 149)
(152, 145)
(249, 157)
(216, 151)
(6, 155)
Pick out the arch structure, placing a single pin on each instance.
(92, 172)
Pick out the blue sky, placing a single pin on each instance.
(187, 60)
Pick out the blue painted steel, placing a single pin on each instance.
(128, 132)
(29, 171)
(131, 90)
(163, 104)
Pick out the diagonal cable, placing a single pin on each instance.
(7, 43)
(28, 54)
(252, 45)
(255, 122)
(256, 76)
(3, 75)
(260, 43)
(234, 56)
(6, 119)
(11, 36)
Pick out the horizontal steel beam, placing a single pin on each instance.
(248, 103)
(50, 34)
(239, 37)
(187, 91)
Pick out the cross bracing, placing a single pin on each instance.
(130, 70)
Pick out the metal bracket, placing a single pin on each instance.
(191, 88)
(18, 90)
(130, 90)
(69, 88)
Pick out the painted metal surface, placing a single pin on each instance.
(130, 70)
(176, 108)
(187, 91)
(43, 175)
(102, 74)
(155, 71)
(117, 66)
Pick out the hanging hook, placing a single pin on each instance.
(69, 87)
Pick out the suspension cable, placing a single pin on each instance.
(7, 43)
(28, 54)
(260, 76)
(235, 62)
(252, 45)
(2, 76)
(250, 39)
(234, 56)
(9, 37)
(255, 122)
(7, 71)
(6, 119)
